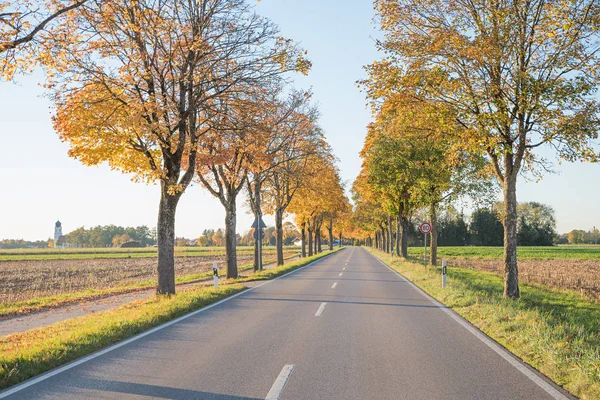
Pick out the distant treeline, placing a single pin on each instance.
(22, 244)
(536, 227)
(111, 236)
(212, 237)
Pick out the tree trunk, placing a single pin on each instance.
(257, 217)
(304, 240)
(434, 234)
(403, 236)
(398, 234)
(391, 234)
(166, 242)
(319, 242)
(230, 240)
(310, 241)
(279, 236)
(330, 228)
(511, 271)
(340, 240)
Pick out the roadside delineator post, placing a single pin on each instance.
(216, 274)
(444, 272)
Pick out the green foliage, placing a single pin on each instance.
(453, 231)
(578, 236)
(108, 235)
(486, 229)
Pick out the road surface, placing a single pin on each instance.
(345, 327)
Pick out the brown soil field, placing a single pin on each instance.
(21, 280)
(573, 274)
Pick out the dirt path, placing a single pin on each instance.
(23, 323)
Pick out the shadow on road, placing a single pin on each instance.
(342, 302)
(142, 389)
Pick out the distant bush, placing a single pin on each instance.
(131, 244)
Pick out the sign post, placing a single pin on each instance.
(259, 235)
(425, 229)
(444, 272)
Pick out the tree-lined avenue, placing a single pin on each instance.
(372, 336)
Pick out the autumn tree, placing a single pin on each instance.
(139, 89)
(276, 145)
(314, 199)
(520, 75)
(294, 166)
(388, 177)
(233, 148)
(25, 27)
(337, 214)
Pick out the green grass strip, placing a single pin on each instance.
(589, 252)
(555, 331)
(25, 355)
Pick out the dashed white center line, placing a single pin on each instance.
(280, 382)
(320, 310)
(343, 269)
(341, 273)
(334, 285)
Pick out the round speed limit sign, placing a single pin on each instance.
(425, 228)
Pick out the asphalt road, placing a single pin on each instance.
(376, 337)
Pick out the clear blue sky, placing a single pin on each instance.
(40, 183)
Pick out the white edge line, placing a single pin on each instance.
(280, 382)
(320, 310)
(501, 351)
(49, 374)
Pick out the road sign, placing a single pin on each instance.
(425, 228)
(262, 234)
(255, 224)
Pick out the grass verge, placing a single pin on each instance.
(589, 252)
(555, 331)
(27, 354)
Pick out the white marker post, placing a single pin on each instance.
(444, 272)
(216, 274)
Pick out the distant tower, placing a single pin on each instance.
(57, 232)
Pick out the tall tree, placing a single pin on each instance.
(296, 166)
(139, 88)
(520, 75)
(275, 148)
